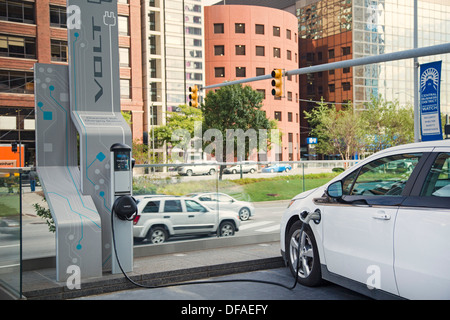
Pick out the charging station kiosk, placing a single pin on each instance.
(121, 191)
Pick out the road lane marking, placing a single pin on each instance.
(269, 229)
(253, 225)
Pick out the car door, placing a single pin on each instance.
(422, 233)
(358, 231)
(200, 219)
(174, 213)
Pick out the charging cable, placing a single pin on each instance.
(307, 217)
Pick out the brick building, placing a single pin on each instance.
(35, 32)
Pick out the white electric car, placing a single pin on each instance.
(381, 228)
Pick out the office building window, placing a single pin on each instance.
(240, 50)
(259, 29)
(331, 87)
(17, 47)
(240, 72)
(288, 34)
(260, 51)
(125, 89)
(276, 31)
(16, 81)
(124, 57)
(219, 72)
(289, 55)
(58, 17)
(218, 28)
(277, 115)
(219, 50)
(345, 51)
(346, 86)
(17, 11)
(59, 50)
(289, 116)
(331, 53)
(276, 53)
(260, 71)
(239, 27)
(123, 26)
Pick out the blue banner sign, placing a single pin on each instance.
(430, 104)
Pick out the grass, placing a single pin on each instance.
(282, 187)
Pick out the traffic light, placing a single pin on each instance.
(277, 82)
(193, 96)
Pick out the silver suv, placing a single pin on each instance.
(161, 217)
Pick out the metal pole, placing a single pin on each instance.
(416, 79)
(400, 55)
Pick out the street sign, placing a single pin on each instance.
(311, 140)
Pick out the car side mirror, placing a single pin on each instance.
(334, 190)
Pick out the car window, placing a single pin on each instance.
(151, 206)
(225, 198)
(382, 177)
(194, 206)
(437, 182)
(172, 206)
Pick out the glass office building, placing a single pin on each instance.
(375, 27)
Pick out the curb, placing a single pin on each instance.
(118, 282)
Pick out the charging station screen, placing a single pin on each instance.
(121, 161)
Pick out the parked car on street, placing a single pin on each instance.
(247, 167)
(10, 226)
(221, 201)
(160, 218)
(381, 228)
(204, 168)
(277, 167)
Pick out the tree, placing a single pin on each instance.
(183, 119)
(389, 124)
(380, 125)
(338, 131)
(233, 108)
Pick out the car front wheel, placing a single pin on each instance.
(309, 273)
(226, 229)
(244, 214)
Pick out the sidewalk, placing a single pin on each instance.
(159, 269)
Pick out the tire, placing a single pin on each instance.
(271, 171)
(244, 214)
(252, 170)
(157, 235)
(287, 170)
(309, 273)
(234, 171)
(189, 173)
(212, 171)
(226, 229)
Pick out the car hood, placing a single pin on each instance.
(309, 192)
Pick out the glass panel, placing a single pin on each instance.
(10, 232)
